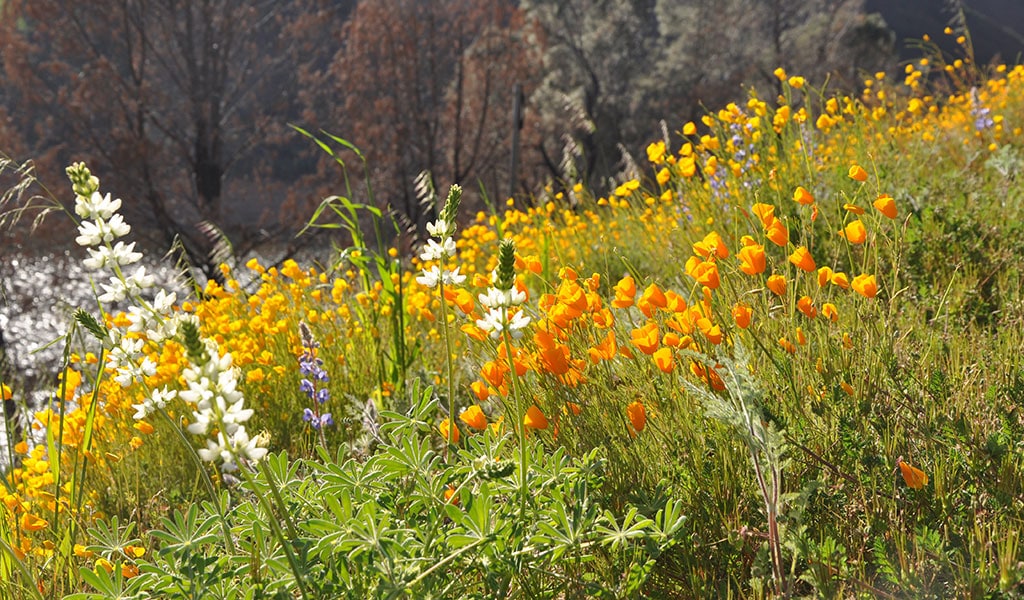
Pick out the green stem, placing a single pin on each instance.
(444, 562)
(452, 426)
(519, 424)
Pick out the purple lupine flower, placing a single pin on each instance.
(312, 368)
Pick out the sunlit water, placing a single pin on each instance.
(38, 296)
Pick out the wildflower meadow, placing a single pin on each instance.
(784, 360)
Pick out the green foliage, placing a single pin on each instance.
(384, 527)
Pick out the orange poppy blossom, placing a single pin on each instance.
(801, 257)
(854, 232)
(865, 285)
(664, 360)
(886, 205)
(534, 418)
(742, 313)
(752, 259)
(449, 431)
(857, 173)
(625, 291)
(802, 196)
(637, 415)
(912, 476)
(474, 417)
(777, 284)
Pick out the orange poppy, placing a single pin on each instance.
(474, 417)
(752, 259)
(854, 232)
(865, 285)
(534, 418)
(663, 359)
(912, 476)
(802, 258)
(802, 196)
(742, 314)
(777, 284)
(637, 415)
(886, 205)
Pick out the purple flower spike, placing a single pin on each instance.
(323, 395)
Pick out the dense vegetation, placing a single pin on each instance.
(786, 362)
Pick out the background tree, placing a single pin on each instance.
(614, 69)
(181, 104)
(419, 89)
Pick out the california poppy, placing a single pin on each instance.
(802, 258)
(854, 232)
(752, 259)
(865, 285)
(474, 417)
(914, 477)
(802, 196)
(534, 418)
(886, 205)
(637, 415)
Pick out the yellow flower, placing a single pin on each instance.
(797, 82)
(689, 129)
(82, 552)
(30, 522)
(5, 392)
(664, 361)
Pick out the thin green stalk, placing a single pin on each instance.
(451, 372)
(444, 561)
(28, 583)
(520, 425)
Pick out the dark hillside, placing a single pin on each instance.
(996, 26)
